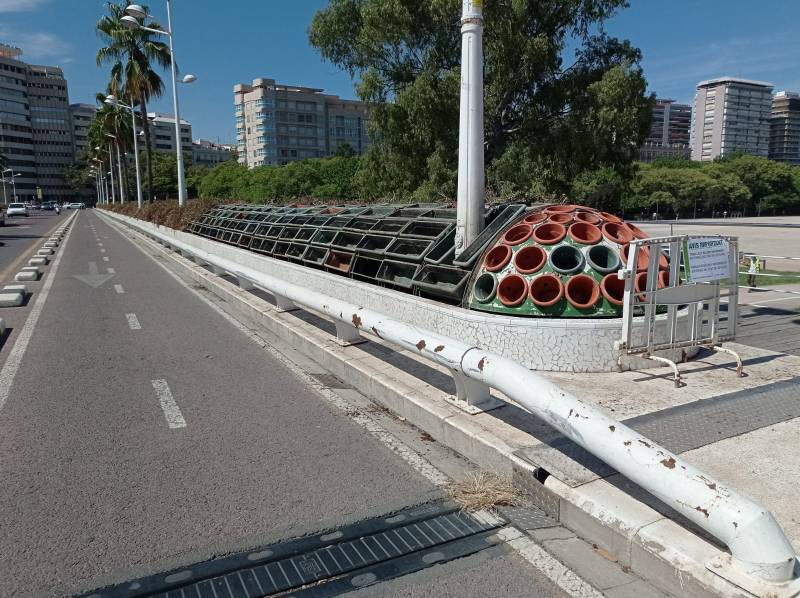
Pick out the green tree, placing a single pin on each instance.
(557, 115)
(602, 188)
(132, 55)
(765, 179)
(228, 180)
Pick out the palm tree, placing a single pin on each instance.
(132, 54)
(110, 120)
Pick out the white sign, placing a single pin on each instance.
(706, 259)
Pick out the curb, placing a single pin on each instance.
(604, 512)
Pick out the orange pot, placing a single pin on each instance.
(530, 259)
(613, 288)
(546, 290)
(549, 233)
(617, 233)
(497, 258)
(517, 234)
(582, 291)
(512, 290)
(585, 233)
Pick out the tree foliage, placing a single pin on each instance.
(561, 96)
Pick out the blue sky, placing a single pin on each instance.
(223, 43)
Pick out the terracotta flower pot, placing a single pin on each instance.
(610, 217)
(535, 218)
(512, 290)
(546, 290)
(590, 217)
(644, 257)
(561, 218)
(530, 259)
(497, 258)
(617, 233)
(566, 259)
(582, 291)
(613, 289)
(602, 258)
(485, 287)
(517, 234)
(560, 208)
(549, 233)
(640, 283)
(585, 233)
(638, 233)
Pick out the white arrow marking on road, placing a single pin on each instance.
(118, 288)
(133, 322)
(111, 270)
(93, 279)
(172, 412)
(105, 259)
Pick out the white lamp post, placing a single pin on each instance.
(131, 20)
(13, 183)
(112, 100)
(470, 199)
(119, 167)
(111, 166)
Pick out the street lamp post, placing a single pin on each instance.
(119, 167)
(13, 183)
(135, 12)
(111, 172)
(112, 99)
(470, 198)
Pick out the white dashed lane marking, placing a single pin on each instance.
(118, 288)
(172, 412)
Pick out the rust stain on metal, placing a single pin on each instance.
(735, 524)
(711, 485)
(438, 349)
(702, 510)
(356, 321)
(627, 443)
(645, 443)
(480, 363)
(375, 330)
(668, 463)
(612, 428)
(421, 344)
(570, 413)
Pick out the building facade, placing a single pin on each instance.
(278, 124)
(731, 115)
(669, 132)
(784, 128)
(208, 153)
(35, 127)
(162, 133)
(81, 115)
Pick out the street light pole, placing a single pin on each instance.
(470, 199)
(134, 12)
(112, 99)
(179, 150)
(119, 167)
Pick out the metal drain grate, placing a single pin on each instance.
(331, 563)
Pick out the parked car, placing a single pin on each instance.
(17, 209)
(49, 205)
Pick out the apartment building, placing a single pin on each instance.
(277, 123)
(669, 132)
(784, 128)
(731, 115)
(208, 153)
(35, 126)
(162, 133)
(82, 115)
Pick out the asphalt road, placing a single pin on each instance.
(21, 234)
(143, 431)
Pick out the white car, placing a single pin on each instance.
(75, 206)
(17, 209)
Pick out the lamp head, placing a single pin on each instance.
(129, 22)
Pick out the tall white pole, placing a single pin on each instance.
(119, 172)
(111, 174)
(179, 150)
(14, 184)
(470, 202)
(105, 186)
(136, 156)
(5, 197)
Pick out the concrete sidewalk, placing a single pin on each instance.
(737, 429)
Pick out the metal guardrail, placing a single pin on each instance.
(759, 547)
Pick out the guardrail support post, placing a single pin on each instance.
(347, 334)
(472, 395)
(244, 284)
(284, 304)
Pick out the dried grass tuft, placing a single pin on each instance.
(484, 490)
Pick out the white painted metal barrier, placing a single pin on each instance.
(759, 547)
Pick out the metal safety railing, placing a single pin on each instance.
(657, 288)
(755, 539)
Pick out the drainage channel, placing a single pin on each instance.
(351, 557)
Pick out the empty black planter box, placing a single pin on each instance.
(397, 274)
(442, 281)
(365, 268)
(323, 237)
(346, 241)
(315, 256)
(425, 229)
(374, 245)
(408, 249)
